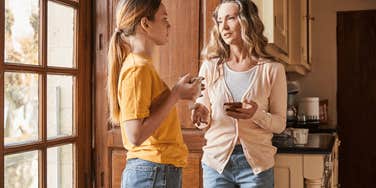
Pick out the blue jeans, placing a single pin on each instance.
(139, 173)
(237, 173)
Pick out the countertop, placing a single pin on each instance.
(318, 143)
(315, 128)
(321, 139)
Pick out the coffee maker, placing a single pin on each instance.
(291, 112)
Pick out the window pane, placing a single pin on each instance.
(21, 31)
(60, 166)
(61, 26)
(21, 107)
(59, 105)
(21, 170)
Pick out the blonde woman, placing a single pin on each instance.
(244, 101)
(141, 102)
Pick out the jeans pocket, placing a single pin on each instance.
(139, 176)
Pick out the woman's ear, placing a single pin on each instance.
(145, 24)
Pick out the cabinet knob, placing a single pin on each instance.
(309, 17)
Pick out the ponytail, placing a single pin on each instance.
(128, 15)
(117, 52)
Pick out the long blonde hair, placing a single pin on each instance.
(252, 30)
(128, 15)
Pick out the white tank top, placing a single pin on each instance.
(238, 82)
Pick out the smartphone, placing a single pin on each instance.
(232, 106)
(199, 78)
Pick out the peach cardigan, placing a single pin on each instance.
(269, 91)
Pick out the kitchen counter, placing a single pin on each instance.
(314, 164)
(318, 143)
(315, 128)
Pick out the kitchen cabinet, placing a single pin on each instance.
(288, 171)
(299, 170)
(181, 54)
(288, 29)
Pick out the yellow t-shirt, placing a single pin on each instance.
(140, 88)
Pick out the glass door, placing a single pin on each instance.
(45, 93)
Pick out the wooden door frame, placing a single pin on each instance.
(83, 104)
(85, 44)
(101, 35)
(2, 37)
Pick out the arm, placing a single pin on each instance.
(138, 130)
(201, 110)
(205, 73)
(275, 119)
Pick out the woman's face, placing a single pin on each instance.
(228, 23)
(159, 27)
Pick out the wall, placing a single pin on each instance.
(322, 81)
(265, 8)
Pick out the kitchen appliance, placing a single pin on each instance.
(291, 109)
(292, 90)
(309, 108)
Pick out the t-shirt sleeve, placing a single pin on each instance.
(135, 93)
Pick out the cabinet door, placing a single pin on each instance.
(306, 21)
(299, 32)
(281, 31)
(313, 170)
(181, 54)
(289, 35)
(208, 7)
(288, 171)
(192, 174)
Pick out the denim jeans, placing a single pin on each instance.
(139, 173)
(237, 173)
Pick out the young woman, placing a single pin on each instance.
(238, 70)
(141, 102)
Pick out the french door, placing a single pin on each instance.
(45, 97)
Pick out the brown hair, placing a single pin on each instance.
(128, 15)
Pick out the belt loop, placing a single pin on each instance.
(156, 169)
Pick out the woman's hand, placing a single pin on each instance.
(247, 110)
(200, 114)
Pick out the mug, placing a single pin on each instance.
(300, 136)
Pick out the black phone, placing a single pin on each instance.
(199, 78)
(232, 106)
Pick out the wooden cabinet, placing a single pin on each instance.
(288, 171)
(288, 29)
(281, 24)
(307, 170)
(181, 54)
